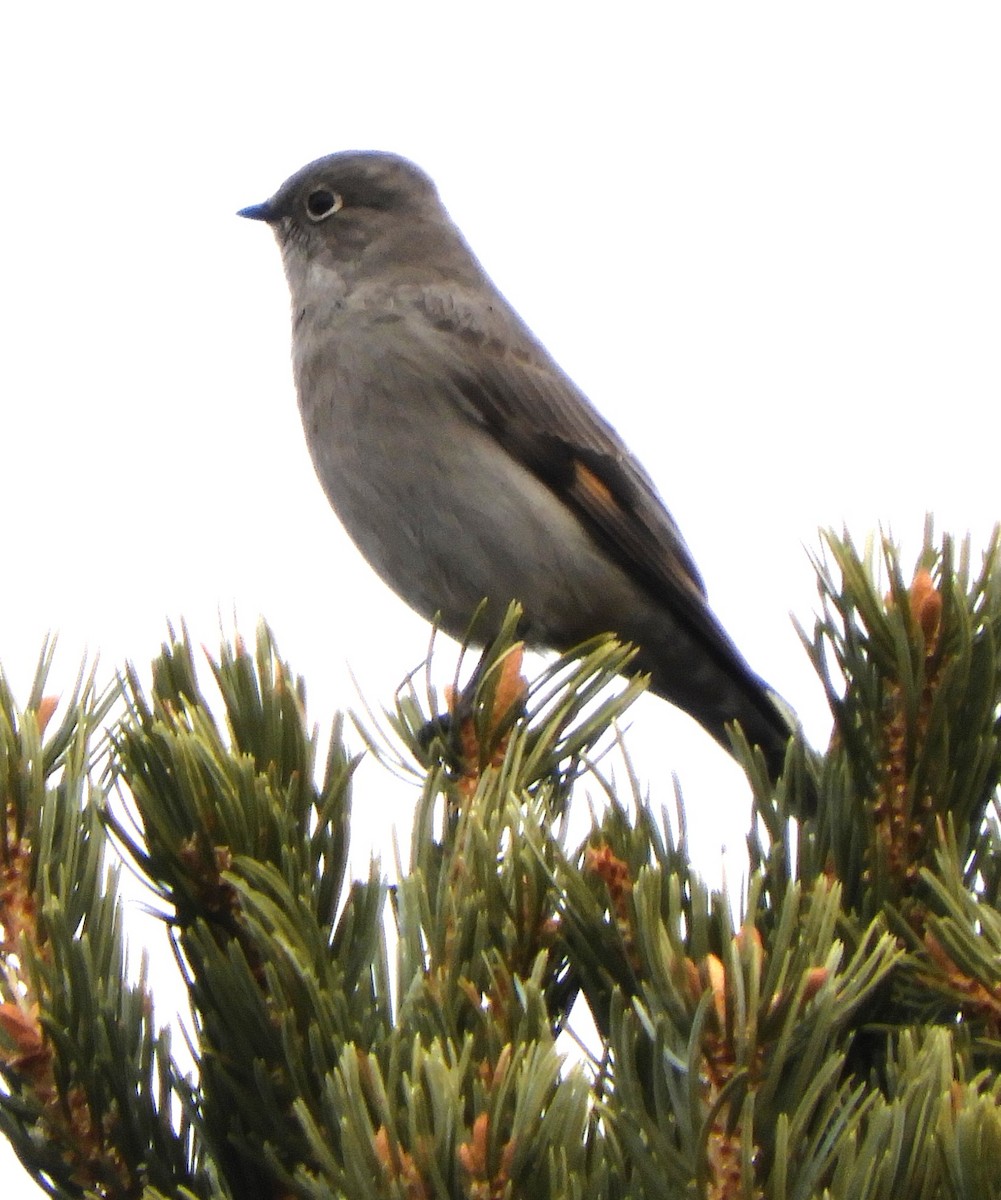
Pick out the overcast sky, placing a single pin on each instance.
(763, 238)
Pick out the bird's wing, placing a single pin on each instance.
(512, 387)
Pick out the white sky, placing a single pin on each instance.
(764, 239)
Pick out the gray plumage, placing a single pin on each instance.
(461, 459)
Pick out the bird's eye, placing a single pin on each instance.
(322, 203)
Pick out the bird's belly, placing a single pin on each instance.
(448, 519)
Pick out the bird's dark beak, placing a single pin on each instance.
(258, 212)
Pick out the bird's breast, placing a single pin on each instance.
(442, 512)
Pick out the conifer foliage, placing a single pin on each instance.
(361, 1039)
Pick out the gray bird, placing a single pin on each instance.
(465, 464)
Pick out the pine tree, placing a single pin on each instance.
(840, 1038)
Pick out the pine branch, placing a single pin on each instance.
(87, 1083)
(285, 965)
(917, 734)
(840, 1037)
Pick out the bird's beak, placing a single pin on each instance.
(258, 212)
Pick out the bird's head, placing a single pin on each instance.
(359, 213)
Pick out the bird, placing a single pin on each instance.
(465, 464)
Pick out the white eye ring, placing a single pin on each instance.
(322, 203)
